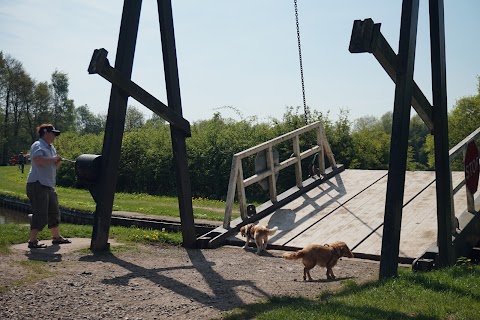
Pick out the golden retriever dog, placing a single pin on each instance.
(325, 256)
(259, 234)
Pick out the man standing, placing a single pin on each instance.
(41, 182)
(21, 161)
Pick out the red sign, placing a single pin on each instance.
(471, 167)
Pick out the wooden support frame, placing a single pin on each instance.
(367, 37)
(440, 133)
(100, 65)
(112, 140)
(122, 88)
(237, 182)
(399, 140)
(179, 144)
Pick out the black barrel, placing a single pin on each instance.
(88, 168)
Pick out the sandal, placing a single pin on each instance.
(60, 240)
(36, 245)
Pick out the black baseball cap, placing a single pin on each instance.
(48, 128)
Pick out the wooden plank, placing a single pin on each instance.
(345, 209)
(419, 223)
(308, 210)
(277, 140)
(363, 215)
(298, 164)
(343, 223)
(415, 182)
(304, 211)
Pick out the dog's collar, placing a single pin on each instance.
(248, 233)
(335, 251)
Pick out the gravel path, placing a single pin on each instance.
(157, 282)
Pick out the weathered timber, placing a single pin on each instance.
(367, 37)
(179, 145)
(112, 141)
(100, 65)
(445, 208)
(399, 140)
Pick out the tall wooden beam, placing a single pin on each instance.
(399, 139)
(112, 141)
(440, 119)
(178, 138)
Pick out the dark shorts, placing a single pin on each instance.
(44, 202)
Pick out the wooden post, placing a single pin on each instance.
(272, 181)
(112, 141)
(399, 140)
(178, 138)
(440, 131)
(298, 165)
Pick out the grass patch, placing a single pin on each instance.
(13, 184)
(18, 233)
(452, 293)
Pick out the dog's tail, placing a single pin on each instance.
(294, 255)
(272, 231)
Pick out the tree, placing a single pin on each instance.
(366, 122)
(12, 81)
(386, 121)
(134, 118)
(38, 111)
(63, 108)
(155, 121)
(340, 139)
(87, 122)
(465, 117)
(371, 147)
(418, 133)
(463, 120)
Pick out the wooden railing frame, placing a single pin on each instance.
(461, 147)
(238, 182)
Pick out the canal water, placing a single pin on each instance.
(12, 216)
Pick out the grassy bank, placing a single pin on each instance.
(452, 293)
(13, 184)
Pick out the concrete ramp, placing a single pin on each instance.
(350, 207)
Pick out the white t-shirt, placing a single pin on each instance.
(45, 174)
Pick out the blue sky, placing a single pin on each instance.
(241, 54)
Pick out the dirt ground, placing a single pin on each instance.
(155, 282)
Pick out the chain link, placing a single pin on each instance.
(306, 111)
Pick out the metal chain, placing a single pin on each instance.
(305, 108)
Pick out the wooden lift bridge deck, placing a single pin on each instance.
(350, 207)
